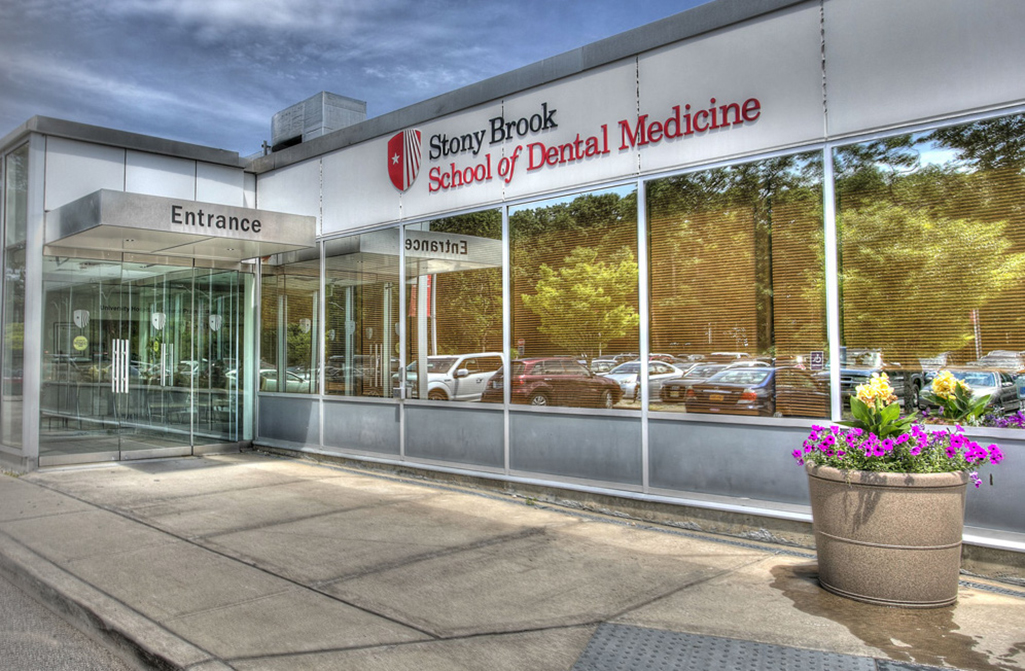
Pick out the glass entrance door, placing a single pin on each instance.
(140, 360)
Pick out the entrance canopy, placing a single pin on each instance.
(114, 221)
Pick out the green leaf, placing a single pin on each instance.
(890, 413)
(860, 410)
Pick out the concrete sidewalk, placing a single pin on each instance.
(255, 562)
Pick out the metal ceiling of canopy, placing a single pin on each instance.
(130, 223)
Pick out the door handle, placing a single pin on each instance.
(115, 365)
(119, 367)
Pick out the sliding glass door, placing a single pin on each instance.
(140, 359)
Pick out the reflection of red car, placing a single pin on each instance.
(784, 392)
(553, 381)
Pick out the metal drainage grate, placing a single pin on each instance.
(624, 648)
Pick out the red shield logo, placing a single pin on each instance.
(404, 158)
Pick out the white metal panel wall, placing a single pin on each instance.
(357, 191)
(775, 59)
(75, 169)
(295, 190)
(249, 190)
(156, 175)
(892, 62)
(220, 184)
(582, 106)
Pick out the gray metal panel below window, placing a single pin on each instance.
(727, 459)
(366, 426)
(590, 447)
(459, 432)
(295, 419)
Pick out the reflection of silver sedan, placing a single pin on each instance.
(602, 366)
(998, 385)
(294, 384)
(626, 375)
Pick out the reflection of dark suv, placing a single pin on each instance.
(857, 366)
(554, 381)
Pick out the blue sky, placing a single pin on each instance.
(213, 72)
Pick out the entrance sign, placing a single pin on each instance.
(436, 252)
(133, 223)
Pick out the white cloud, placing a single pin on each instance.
(75, 80)
(272, 15)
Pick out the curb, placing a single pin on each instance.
(127, 633)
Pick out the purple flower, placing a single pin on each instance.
(995, 455)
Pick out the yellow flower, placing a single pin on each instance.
(878, 387)
(944, 384)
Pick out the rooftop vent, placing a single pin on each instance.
(313, 117)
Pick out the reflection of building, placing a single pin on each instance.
(640, 204)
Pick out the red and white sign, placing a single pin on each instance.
(404, 155)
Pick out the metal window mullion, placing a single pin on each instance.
(400, 311)
(643, 298)
(321, 344)
(831, 270)
(506, 336)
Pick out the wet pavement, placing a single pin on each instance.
(257, 562)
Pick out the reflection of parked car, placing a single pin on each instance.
(857, 366)
(294, 384)
(459, 377)
(554, 381)
(1004, 360)
(627, 376)
(999, 385)
(602, 366)
(734, 391)
(801, 393)
(761, 391)
(675, 391)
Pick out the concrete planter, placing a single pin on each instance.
(888, 538)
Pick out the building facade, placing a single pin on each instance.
(775, 198)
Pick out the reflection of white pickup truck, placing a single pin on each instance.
(455, 377)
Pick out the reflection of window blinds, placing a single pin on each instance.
(465, 307)
(930, 254)
(736, 265)
(585, 252)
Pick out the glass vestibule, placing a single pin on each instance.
(139, 359)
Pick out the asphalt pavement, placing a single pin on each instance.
(250, 561)
(34, 639)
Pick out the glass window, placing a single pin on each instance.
(575, 295)
(737, 282)
(454, 305)
(931, 235)
(289, 323)
(15, 223)
(361, 341)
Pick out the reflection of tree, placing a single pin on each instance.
(469, 305)
(734, 248)
(586, 304)
(941, 268)
(551, 238)
(473, 302)
(991, 144)
(932, 231)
